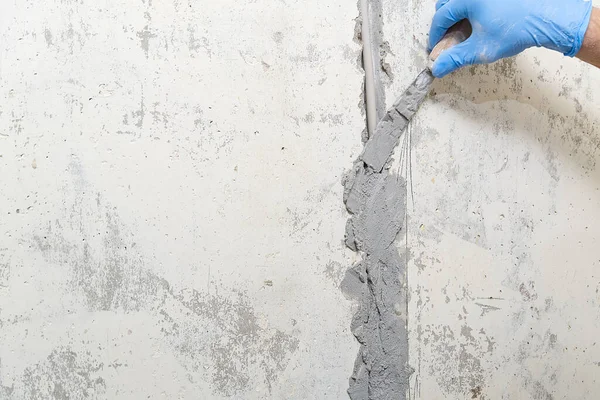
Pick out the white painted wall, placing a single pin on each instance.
(172, 216)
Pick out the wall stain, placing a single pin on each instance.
(64, 375)
(456, 362)
(195, 44)
(227, 329)
(221, 333)
(571, 127)
(74, 39)
(145, 35)
(335, 271)
(5, 268)
(159, 116)
(48, 37)
(141, 113)
(5, 391)
(332, 119)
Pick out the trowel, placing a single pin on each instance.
(380, 146)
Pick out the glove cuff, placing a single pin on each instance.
(580, 33)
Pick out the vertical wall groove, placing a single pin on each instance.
(376, 200)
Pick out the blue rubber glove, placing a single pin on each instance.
(504, 28)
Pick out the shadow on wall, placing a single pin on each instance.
(570, 125)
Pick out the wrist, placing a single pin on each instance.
(581, 29)
(591, 40)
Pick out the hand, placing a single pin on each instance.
(504, 28)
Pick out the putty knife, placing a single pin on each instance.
(380, 146)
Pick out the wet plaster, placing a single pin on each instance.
(390, 128)
(376, 199)
(377, 203)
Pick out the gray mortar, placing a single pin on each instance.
(380, 147)
(377, 202)
(376, 199)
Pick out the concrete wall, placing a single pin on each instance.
(504, 280)
(172, 218)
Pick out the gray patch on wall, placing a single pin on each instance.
(216, 338)
(376, 200)
(63, 375)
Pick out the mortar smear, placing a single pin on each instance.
(377, 202)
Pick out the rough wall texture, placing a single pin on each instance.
(171, 217)
(503, 272)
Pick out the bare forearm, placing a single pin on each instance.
(590, 50)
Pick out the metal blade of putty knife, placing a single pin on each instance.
(380, 146)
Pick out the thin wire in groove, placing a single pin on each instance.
(406, 149)
(406, 250)
(402, 158)
(412, 191)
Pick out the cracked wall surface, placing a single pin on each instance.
(171, 219)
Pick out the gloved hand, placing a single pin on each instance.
(504, 28)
